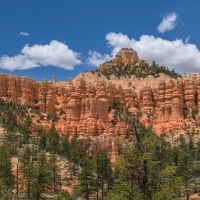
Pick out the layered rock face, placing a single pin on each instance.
(87, 101)
(87, 105)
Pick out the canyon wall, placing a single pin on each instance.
(84, 106)
(87, 103)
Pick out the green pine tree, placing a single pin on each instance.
(26, 168)
(55, 169)
(74, 156)
(103, 171)
(6, 176)
(86, 177)
(197, 151)
(41, 181)
(184, 170)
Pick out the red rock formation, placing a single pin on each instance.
(189, 91)
(198, 90)
(88, 100)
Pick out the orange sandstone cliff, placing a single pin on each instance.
(87, 100)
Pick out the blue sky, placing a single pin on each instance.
(43, 38)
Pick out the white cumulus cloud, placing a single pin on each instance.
(24, 33)
(168, 22)
(182, 56)
(55, 54)
(96, 58)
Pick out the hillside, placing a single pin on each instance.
(58, 139)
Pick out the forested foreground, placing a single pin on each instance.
(46, 165)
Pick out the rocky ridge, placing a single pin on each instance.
(127, 64)
(85, 105)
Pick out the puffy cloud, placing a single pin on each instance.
(182, 56)
(24, 33)
(96, 58)
(168, 22)
(56, 54)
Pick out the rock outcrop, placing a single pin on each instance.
(122, 58)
